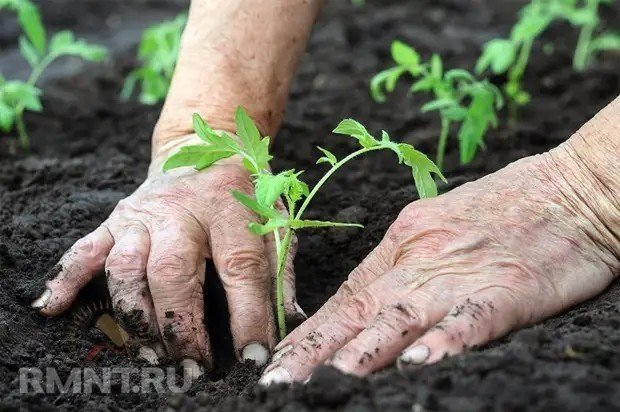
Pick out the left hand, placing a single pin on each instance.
(459, 270)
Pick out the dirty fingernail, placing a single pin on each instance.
(281, 352)
(42, 300)
(414, 356)
(255, 352)
(192, 369)
(277, 375)
(148, 354)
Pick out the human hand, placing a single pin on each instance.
(153, 248)
(467, 267)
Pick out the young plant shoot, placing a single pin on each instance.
(158, 51)
(269, 188)
(16, 96)
(457, 95)
(511, 56)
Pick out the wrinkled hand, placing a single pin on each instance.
(153, 249)
(456, 271)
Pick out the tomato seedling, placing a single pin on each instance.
(16, 96)
(253, 149)
(457, 95)
(158, 51)
(511, 56)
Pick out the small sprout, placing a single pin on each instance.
(458, 97)
(253, 149)
(17, 96)
(158, 51)
(511, 56)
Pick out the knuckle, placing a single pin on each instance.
(360, 307)
(130, 259)
(170, 264)
(400, 317)
(245, 264)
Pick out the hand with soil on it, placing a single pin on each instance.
(154, 244)
(456, 271)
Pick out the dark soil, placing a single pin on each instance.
(90, 151)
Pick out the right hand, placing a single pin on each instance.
(153, 249)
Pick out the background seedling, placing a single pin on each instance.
(16, 95)
(253, 149)
(457, 95)
(158, 51)
(511, 56)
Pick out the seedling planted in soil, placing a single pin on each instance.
(269, 188)
(158, 52)
(457, 95)
(16, 95)
(511, 56)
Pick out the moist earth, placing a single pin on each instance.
(90, 151)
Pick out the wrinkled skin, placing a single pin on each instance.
(461, 269)
(153, 248)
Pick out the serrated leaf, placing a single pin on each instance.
(296, 188)
(422, 169)
(423, 85)
(459, 75)
(256, 149)
(498, 54)
(198, 156)
(28, 51)
(270, 226)
(328, 158)
(252, 204)
(353, 128)
(269, 188)
(64, 43)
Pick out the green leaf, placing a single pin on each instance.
(269, 188)
(18, 93)
(353, 128)
(436, 67)
(438, 104)
(296, 188)
(404, 55)
(270, 226)
(7, 117)
(498, 54)
(255, 148)
(422, 169)
(423, 85)
(198, 156)
(480, 115)
(300, 224)
(328, 158)
(385, 79)
(64, 43)
(28, 51)
(606, 41)
(252, 204)
(459, 75)
(30, 21)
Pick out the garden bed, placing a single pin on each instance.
(90, 151)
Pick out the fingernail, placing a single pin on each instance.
(414, 356)
(42, 300)
(281, 352)
(278, 375)
(255, 352)
(148, 354)
(300, 310)
(192, 369)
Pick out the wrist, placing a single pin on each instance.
(586, 168)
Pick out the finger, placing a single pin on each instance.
(346, 322)
(375, 264)
(175, 273)
(295, 315)
(241, 262)
(395, 327)
(76, 268)
(476, 320)
(128, 285)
